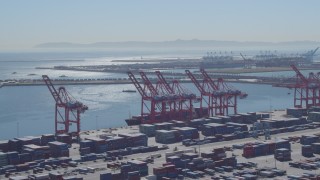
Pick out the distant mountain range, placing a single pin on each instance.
(176, 43)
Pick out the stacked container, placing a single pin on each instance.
(86, 147)
(3, 159)
(25, 157)
(316, 148)
(307, 150)
(35, 140)
(314, 116)
(64, 138)
(148, 129)
(282, 154)
(241, 127)
(167, 136)
(4, 146)
(140, 166)
(167, 171)
(177, 123)
(99, 145)
(163, 126)
(308, 139)
(37, 152)
(106, 176)
(188, 132)
(297, 112)
(213, 129)
(13, 158)
(58, 149)
(114, 143)
(216, 119)
(46, 138)
(134, 139)
(197, 123)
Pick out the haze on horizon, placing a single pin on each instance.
(26, 24)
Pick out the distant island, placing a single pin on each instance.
(176, 43)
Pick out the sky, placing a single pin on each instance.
(25, 24)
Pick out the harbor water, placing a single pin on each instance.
(29, 110)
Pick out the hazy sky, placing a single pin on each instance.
(30, 22)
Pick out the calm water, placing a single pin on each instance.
(30, 110)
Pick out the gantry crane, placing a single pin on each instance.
(207, 103)
(67, 109)
(181, 104)
(217, 94)
(150, 102)
(305, 90)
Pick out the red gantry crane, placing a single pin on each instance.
(67, 109)
(151, 102)
(180, 99)
(207, 103)
(306, 90)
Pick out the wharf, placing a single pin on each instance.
(267, 161)
(227, 77)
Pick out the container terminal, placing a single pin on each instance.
(175, 140)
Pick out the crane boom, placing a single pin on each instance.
(195, 82)
(136, 84)
(52, 90)
(148, 83)
(211, 82)
(164, 82)
(299, 74)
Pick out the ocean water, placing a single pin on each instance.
(30, 110)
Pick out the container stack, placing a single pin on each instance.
(166, 171)
(196, 123)
(248, 118)
(116, 142)
(307, 150)
(14, 145)
(106, 176)
(135, 175)
(316, 148)
(297, 112)
(13, 158)
(282, 154)
(4, 146)
(266, 148)
(3, 159)
(188, 132)
(308, 139)
(64, 138)
(167, 136)
(314, 116)
(148, 129)
(35, 140)
(99, 145)
(46, 138)
(58, 149)
(237, 118)
(163, 126)
(213, 129)
(216, 119)
(37, 152)
(177, 123)
(86, 147)
(140, 166)
(25, 157)
(225, 119)
(134, 139)
(241, 127)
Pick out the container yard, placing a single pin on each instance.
(201, 149)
